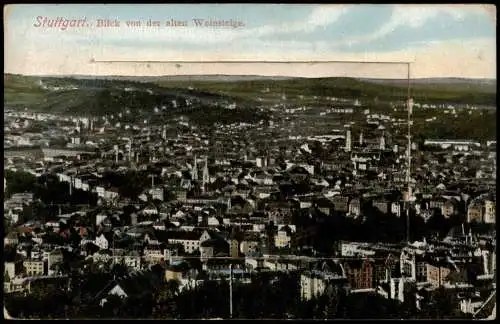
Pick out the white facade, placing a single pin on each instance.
(354, 209)
(206, 252)
(101, 242)
(251, 263)
(150, 210)
(397, 288)
(34, 267)
(468, 306)
(311, 286)
(189, 245)
(99, 218)
(213, 221)
(132, 261)
(100, 191)
(348, 141)
(258, 227)
(157, 193)
(153, 255)
(53, 257)
(489, 262)
(261, 162)
(118, 291)
(489, 212)
(282, 240)
(78, 183)
(248, 246)
(10, 268)
(110, 195)
(396, 208)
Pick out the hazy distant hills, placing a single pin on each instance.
(232, 78)
(459, 84)
(435, 80)
(215, 77)
(108, 94)
(452, 84)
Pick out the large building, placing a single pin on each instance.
(314, 283)
(34, 267)
(489, 212)
(456, 145)
(437, 271)
(475, 212)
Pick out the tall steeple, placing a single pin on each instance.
(206, 177)
(129, 147)
(194, 172)
(382, 141)
(361, 138)
(348, 140)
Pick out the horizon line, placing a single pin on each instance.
(93, 61)
(242, 75)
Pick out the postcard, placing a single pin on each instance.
(250, 161)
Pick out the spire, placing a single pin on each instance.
(382, 141)
(194, 172)
(348, 140)
(205, 174)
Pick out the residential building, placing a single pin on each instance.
(283, 238)
(341, 203)
(450, 208)
(53, 258)
(489, 212)
(355, 208)
(13, 268)
(189, 240)
(399, 288)
(382, 206)
(475, 212)
(437, 271)
(34, 267)
(359, 273)
(413, 264)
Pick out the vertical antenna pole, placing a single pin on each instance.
(231, 291)
(113, 255)
(408, 174)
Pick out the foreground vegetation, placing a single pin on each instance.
(267, 296)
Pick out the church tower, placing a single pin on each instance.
(206, 177)
(348, 141)
(382, 142)
(194, 172)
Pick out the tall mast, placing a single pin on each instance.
(408, 171)
(231, 290)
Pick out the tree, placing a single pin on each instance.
(440, 305)
(112, 306)
(172, 287)
(18, 182)
(332, 299)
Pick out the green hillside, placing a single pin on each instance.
(99, 97)
(204, 101)
(343, 87)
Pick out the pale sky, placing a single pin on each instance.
(440, 40)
